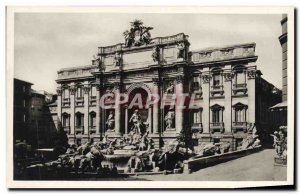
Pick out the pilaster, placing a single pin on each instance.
(228, 102)
(206, 110)
(72, 109)
(86, 90)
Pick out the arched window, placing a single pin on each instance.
(217, 114)
(79, 121)
(216, 118)
(65, 120)
(239, 117)
(92, 119)
(240, 112)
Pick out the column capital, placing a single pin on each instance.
(117, 85)
(72, 90)
(98, 87)
(228, 76)
(156, 81)
(206, 78)
(59, 91)
(179, 79)
(251, 74)
(86, 89)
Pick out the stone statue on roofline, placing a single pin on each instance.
(137, 35)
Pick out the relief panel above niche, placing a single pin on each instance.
(137, 59)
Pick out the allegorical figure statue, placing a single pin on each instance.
(138, 34)
(155, 54)
(117, 59)
(169, 119)
(280, 142)
(181, 50)
(137, 122)
(170, 89)
(110, 121)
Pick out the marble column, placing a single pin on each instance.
(86, 89)
(72, 108)
(117, 111)
(156, 107)
(98, 109)
(179, 120)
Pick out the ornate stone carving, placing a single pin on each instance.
(156, 54)
(137, 35)
(86, 89)
(110, 122)
(228, 76)
(98, 87)
(280, 142)
(179, 79)
(118, 59)
(72, 90)
(98, 62)
(181, 50)
(169, 119)
(251, 74)
(227, 52)
(59, 91)
(206, 78)
(170, 89)
(117, 85)
(156, 81)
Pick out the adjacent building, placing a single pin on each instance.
(279, 111)
(32, 120)
(22, 110)
(232, 96)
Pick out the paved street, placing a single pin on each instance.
(254, 167)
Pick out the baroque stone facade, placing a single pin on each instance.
(224, 80)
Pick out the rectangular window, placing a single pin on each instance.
(216, 80)
(24, 103)
(79, 92)
(66, 93)
(216, 116)
(24, 118)
(240, 115)
(240, 78)
(93, 91)
(24, 89)
(197, 117)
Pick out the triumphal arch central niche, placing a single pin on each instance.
(142, 66)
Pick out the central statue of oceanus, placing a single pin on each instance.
(138, 34)
(138, 125)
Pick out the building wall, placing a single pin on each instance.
(22, 113)
(283, 42)
(224, 81)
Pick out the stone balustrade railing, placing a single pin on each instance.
(224, 53)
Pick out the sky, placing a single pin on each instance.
(47, 42)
